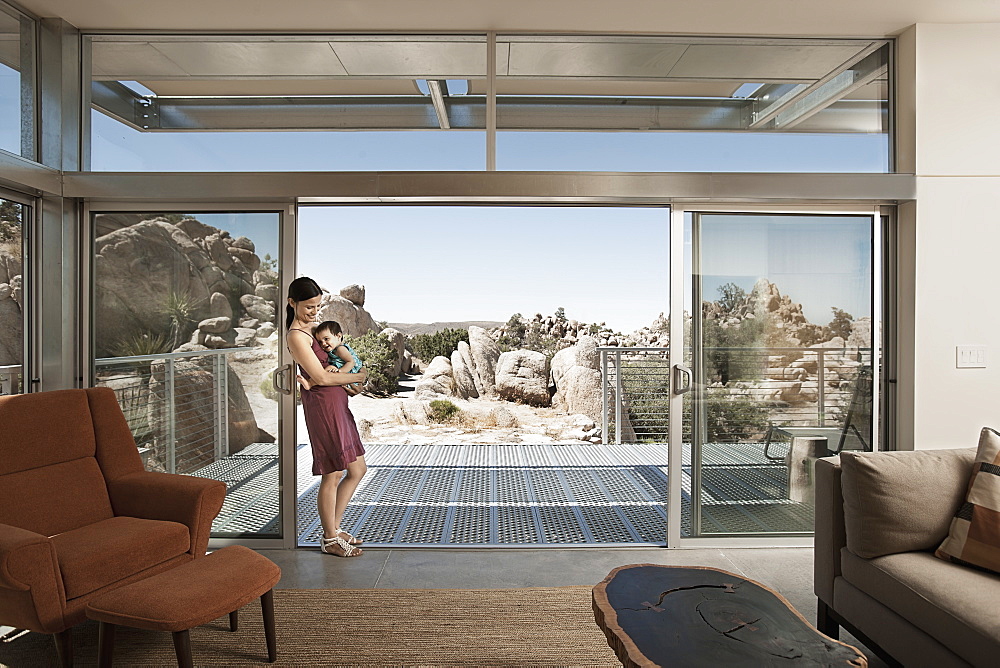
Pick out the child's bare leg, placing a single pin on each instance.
(306, 385)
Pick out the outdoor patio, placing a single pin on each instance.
(518, 494)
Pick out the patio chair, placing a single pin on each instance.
(78, 514)
(854, 435)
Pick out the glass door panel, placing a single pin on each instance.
(185, 331)
(781, 347)
(13, 216)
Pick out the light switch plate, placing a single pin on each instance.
(970, 357)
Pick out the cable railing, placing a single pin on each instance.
(176, 405)
(738, 392)
(11, 379)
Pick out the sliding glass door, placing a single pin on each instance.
(185, 329)
(783, 344)
(14, 219)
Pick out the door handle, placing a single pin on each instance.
(680, 372)
(276, 377)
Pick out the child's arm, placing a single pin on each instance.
(343, 353)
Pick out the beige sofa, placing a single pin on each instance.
(879, 517)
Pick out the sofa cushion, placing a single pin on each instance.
(887, 507)
(105, 552)
(957, 606)
(56, 498)
(974, 536)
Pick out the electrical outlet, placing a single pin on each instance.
(970, 357)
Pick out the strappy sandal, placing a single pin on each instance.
(352, 540)
(339, 547)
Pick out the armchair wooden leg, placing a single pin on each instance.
(182, 648)
(105, 645)
(234, 620)
(267, 607)
(64, 647)
(825, 622)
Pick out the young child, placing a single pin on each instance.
(341, 357)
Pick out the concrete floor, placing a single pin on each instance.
(787, 570)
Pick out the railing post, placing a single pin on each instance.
(171, 411)
(821, 386)
(618, 397)
(220, 423)
(605, 388)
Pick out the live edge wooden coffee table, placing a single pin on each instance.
(697, 616)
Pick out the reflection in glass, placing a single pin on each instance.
(782, 349)
(17, 73)
(11, 297)
(173, 295)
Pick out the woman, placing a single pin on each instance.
(336, 444)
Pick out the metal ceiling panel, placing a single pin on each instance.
(592, 59)
(761, 63)
(282, 87)
(416, 59)
(616, 88)
(253, 59)
(129, 61)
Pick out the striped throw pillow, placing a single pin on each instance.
(974, 536)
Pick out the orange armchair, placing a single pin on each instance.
(78, 514)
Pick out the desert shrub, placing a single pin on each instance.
(442, 410)
(443, 342)
(141, 343)
(267, 389)
(379, 358)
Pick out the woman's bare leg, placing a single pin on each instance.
(326, 503)
(345, 490)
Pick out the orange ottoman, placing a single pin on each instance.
(187, 596)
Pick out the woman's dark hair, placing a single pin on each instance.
(300, 289)
(331, 326)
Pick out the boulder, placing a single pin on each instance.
(523, 376)
(583, 353)
(413, 411)
(10, 266)
(485, 354)
(466, 354)
(267, 291)
(11, 327)
(245, 337)
(465, 387)
(353, 319)
(194, 397)
(220, 306)
(398, 342)
(218, 325)
(503, 417)
(407, 363)
(580, 393)
(265, 330)
(436, 381)
(354, 294)
(258, 307)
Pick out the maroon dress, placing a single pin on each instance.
(332, 431)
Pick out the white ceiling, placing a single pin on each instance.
(868, 18)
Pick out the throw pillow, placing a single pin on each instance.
(974, 537)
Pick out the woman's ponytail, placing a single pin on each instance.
(289, 316)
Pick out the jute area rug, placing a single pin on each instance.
(544, 626)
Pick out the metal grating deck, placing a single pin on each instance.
(506, 495)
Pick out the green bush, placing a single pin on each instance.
(440, 343)
(141, 343)
(379, 357)
(443, 410)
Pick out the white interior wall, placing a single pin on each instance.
(955, 232)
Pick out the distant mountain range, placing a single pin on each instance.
(412, 328)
